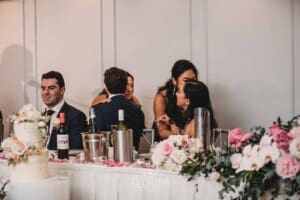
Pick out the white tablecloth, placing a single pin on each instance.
(95, 182)
(56, 187)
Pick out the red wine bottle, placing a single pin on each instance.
(62, 139)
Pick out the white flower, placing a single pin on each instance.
(236, 160)
(7, 143)
(171, 166)
(178, 156)
(269, 153)
(250, 151)
(266, 140)
(295, 132)
(27, 108)
(42, 124)
(295, 147)
(214, 176)
(56, 123)
(33, 115)
(157, 157)
(196, 145)
(253, 163)
(175, 139)
(251, 160)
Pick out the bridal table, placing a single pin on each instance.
(95, 182)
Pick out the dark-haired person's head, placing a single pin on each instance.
(191, 95)
(130, 86)
(115, 80)
(198, 94)
(183, 70)
(55, 75)
(52, 88)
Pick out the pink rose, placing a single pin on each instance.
(246, 137)
(237, 139)
(235, 135)
(280, 137)
(166, 148)
(185, 142)
(287, 166)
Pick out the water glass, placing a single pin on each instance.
(220, 138)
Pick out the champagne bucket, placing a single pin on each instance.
(202, 126)
(123, 145)
(95, 146)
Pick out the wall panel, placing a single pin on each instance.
(250, 62)
(12, 79)
(151, 36)
(68, 40)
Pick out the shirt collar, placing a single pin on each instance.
(58, 106)
(113, 95)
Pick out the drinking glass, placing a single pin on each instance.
(220, 138)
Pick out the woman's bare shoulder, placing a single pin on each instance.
(135, 100)
(161, 94)
(99, 99)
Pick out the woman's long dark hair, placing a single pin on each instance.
(179, 67)
(198, 94)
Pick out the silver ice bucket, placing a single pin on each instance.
(123, 145)
(202, 126)
(95, 146)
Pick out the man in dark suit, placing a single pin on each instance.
(115, 80)
(52, 92)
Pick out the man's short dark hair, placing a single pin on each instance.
(115, 80)
(56, 75)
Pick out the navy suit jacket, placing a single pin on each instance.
(107, 115)
(75, 122)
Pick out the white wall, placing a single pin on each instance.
(248, 52)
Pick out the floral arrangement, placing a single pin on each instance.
(172, 153)
(255, 164)
(15, 150)
(28, 113)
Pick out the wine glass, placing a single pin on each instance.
(220, 138)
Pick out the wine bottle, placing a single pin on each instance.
(62, 139)
(121, 126)
(92, 121)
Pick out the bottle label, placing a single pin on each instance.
(62, 141)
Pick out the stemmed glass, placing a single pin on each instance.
(220, 138)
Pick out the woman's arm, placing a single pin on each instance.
(101, 98)
(135, 100)
(164, 125)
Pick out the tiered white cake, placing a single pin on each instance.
(25, 151)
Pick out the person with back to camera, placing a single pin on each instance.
(168, 117)
(115, 80)
(193, 94)
(52, 93)
(103, 95)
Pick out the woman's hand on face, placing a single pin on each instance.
(174, 129)
(163, 119)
